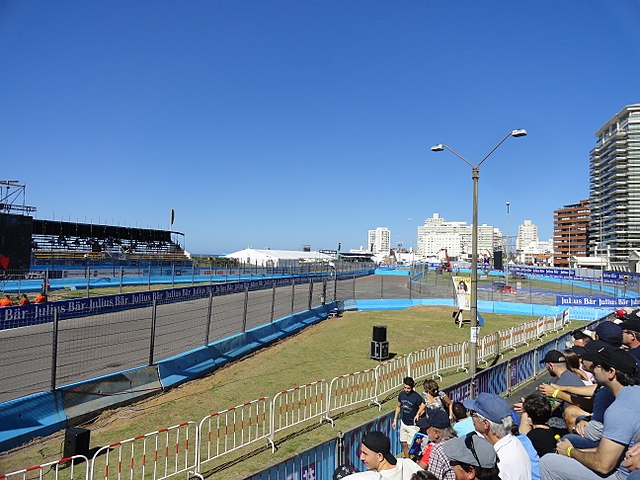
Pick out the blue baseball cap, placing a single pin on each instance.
(609, 332)
(490, 406)
(437, 418)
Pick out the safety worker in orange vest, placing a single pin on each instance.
(42, 298)
(6, 301)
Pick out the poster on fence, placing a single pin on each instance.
(462, 287)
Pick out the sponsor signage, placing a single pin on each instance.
(602, 302)
(33, 314)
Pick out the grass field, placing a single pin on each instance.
(331, 348)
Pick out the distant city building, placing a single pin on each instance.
(437, 234)
(570, 233)
(614, 198)
(529, 249)
(380, 241)
(527, 234)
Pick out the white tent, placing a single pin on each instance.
(278, 258)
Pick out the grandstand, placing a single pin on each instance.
(72, 243)
(28, 244)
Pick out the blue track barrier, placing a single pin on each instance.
(203, 360)
(28, 417)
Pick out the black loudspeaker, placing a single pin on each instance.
(76, 442)
(380, 333)
(15, 242)
(379, 350)
(497, 260)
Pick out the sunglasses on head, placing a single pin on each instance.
(468, 442)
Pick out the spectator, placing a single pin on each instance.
(410, 407)
(439, 430)
(609, 332)
(556, 365)
(573, 365)
(533, 423)
(434, 398)
(631, 335)
(6, 301)
(528, 446)
(616, 370)
(580, 338)
(472, 457)
(41, 298)
(423, 475)
(463, 423)
(492, 419)
(348, 472)
(24, 300)
(375, 453)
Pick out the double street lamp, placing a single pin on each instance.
(475, 176)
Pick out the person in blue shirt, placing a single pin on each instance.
(410, 407)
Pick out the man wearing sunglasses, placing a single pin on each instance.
(471, 457)
(492, 419)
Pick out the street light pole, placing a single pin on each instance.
(475, 177)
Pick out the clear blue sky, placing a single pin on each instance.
(290, 122)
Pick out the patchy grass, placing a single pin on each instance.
(323, 351)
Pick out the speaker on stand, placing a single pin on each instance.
(379, 343)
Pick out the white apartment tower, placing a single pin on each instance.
(380, 241)
(437, 234)
(527, 235)
(614, 177)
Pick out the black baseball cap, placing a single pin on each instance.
(378, 442)
(604, 354)
(553, 356)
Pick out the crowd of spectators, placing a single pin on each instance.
(582, 425)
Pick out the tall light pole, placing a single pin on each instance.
(475, 176)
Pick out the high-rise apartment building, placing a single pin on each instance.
(527, 234)
(437, 234)
(570, 233)
(380, 241)
(614, 198)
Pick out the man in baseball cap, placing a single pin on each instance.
(556, 365)
(609, 332)
(631, 335)
(492, 419)
(375, 453)
(471, 456)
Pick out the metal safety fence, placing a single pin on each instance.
(186, 448)
(51, 345)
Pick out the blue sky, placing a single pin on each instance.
(278, 124)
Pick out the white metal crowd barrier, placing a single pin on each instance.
(51, 470)
(228, 430)
(156, 455)
(423, 363)
(297, 405)
(488, 348)
(184, 448)
(452, 356)
(351, 389)
(390, 374)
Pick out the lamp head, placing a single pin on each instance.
(519, 133)
(437, 148)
